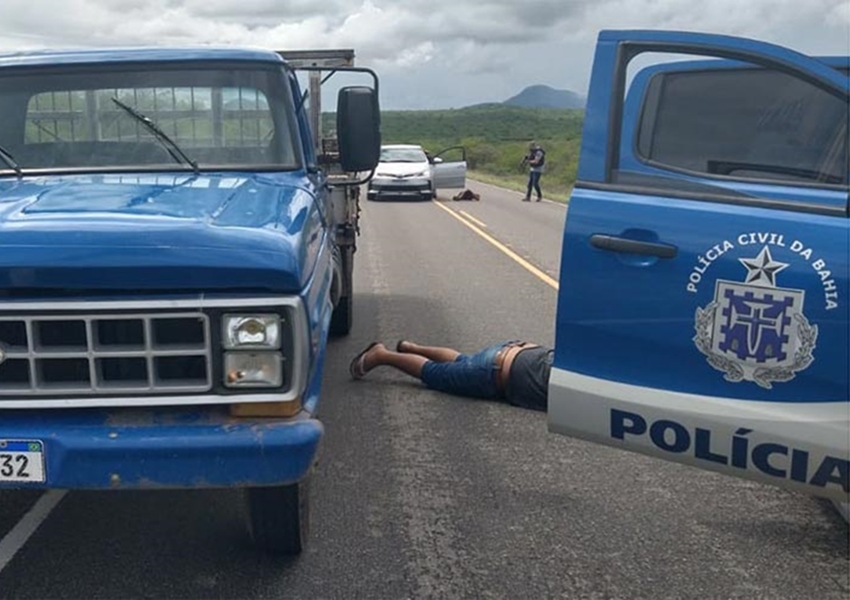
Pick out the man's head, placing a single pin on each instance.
(532, 145)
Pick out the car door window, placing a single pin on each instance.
(746, 123)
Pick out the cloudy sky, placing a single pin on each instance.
(429, 54)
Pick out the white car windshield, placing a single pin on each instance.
(403, 155)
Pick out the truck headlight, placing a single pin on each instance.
(251, 331)
(253, 369)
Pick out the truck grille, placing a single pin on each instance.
(104, 354)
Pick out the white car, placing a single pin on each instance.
(407, 171)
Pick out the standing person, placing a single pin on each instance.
(536, 159)
(514, 371)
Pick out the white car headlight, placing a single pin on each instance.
(424, 173)
(251, 331)
(253, 369)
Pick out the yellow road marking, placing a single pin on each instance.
(473, 219)
(513, 255)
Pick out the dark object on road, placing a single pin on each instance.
(467, 195)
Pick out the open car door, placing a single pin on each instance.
(704, 312)
(450, 168)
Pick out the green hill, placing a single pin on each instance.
(488, 122)
(543, 96)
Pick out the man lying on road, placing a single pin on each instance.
(514, 371)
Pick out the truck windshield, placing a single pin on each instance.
(220, 116)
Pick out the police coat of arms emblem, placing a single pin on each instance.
(756, 331)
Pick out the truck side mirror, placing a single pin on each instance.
(358, 125)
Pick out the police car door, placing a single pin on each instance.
(703, 304)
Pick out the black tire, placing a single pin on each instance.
(342, 317)
(279, 517)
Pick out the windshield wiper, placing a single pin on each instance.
(170, 145)
(10, 161)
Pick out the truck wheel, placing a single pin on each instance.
(342, 317)
(279, 517)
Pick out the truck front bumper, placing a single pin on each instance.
(147, 449)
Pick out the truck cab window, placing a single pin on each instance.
(219, 117)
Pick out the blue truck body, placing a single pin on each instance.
(218, 231)
(703, 312)
(166, 295)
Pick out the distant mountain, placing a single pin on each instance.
(543, 96)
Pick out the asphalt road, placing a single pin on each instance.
(419, 495)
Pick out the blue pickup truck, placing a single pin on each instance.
(704, 310)
(176, 245)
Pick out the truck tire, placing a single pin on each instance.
(343, 314)
(342, 317)
(279, 517)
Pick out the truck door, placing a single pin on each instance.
(704, 312)
(450, 168)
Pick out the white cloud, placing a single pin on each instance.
(494, 46)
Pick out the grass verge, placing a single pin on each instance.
(518, 184)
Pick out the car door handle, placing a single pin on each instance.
(615, 243)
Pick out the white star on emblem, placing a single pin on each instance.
(762, 269)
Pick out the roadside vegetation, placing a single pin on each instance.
(496, 138)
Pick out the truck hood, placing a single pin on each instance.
(155, 232)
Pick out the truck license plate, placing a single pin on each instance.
(21, 461)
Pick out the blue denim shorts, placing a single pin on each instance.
(471, 375)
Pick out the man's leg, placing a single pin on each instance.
(537, 186)
(380, 356)
(528, 189)
(435, 353)
(473, 376)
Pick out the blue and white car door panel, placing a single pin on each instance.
(704, 310)
(450, 168)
